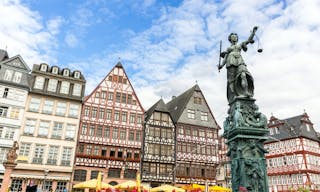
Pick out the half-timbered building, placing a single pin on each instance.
(110, 133)
(197, 138)
(294, 154)
(158, 158)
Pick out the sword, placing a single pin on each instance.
(220, 56)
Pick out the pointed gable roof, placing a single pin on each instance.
(294, 127)
(16, 62)
(118, 65)
(158, 106)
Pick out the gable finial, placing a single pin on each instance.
(119, 59)
(197, 82)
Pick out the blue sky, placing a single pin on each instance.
(168, 46)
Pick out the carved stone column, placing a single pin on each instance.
(245, 130)
(7, 175)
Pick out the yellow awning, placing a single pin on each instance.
(91, 184)
(167, 188)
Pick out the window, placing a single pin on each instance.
(34, 104)
(103, 94)
(118, 97)
(132, 117)
(101, 113)
(80, 175)
(88, 149)
(55, 70)
(94, 174)
(124, 98)
(14, 113)
(66, 156)
(204, 116)
(3, 111)
(129, 99)
(106, 132)
(84, 129)
(124, 116)
(86, 111)
(114, 173)
(24, 149)
(123, 134)
(77, 74)
(52, 155)
(47, 106)
(3, 154)
(97, 95)
(77, 89)
(38, 154)
(8, 75)
(64, 89)
(73, 110)
(61, 109)
(61, 185)
(115, 133)
(131, 136)
(197, 100)
(39, 82)
(130, 174)
(43, 67)
(110, 96)
(9, 133)
(5, 93)
(139, 119)
(44, 128)
(65, 72)
(308, 127)
(94, 112)
(99, 131)
(191, 114)
(138, 136)
(52, 85)
(30, 126)
(271, 131)
(108, 114)
(16, 185)
(17, 77)
(70, 131)
(91, 130)
(116, 115)
(57, 130)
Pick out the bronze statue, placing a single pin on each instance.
(240, 81)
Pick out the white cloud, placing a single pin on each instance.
(182, 48)
(71, 40)
(23, 33)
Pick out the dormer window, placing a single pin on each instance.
(43, 67)
(65, 72)
(77, 74)
(54, 70)
(308, 127)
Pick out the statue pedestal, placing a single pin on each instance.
(9, 166)
(245, 130)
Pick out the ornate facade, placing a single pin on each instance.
(158, 159)
(110, 133)
(196, 138)
(294, 154)
(49, 130)
(14, 88)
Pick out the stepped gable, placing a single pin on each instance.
(294, 127)
(159, 106)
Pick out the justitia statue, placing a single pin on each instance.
(245, 127)
(240, 81)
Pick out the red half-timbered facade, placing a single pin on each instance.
(294, 154)
(197, 141)
(110, 133)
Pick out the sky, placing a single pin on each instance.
(167, 46)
